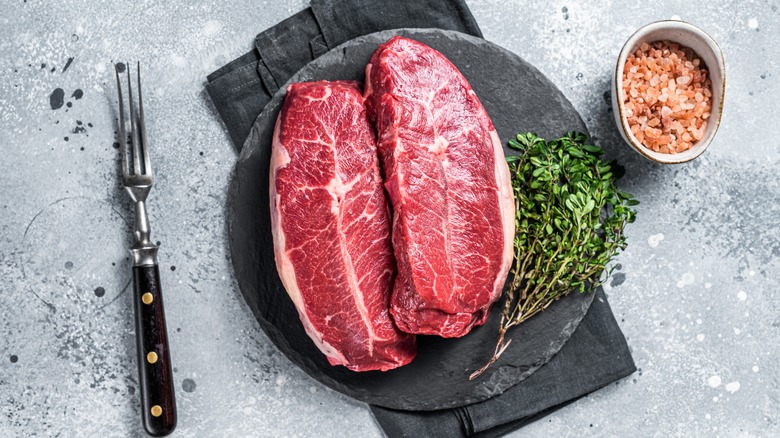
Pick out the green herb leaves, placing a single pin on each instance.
(569, 224)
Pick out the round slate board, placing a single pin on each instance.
(517, 98)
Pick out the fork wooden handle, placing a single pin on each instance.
(154, 363)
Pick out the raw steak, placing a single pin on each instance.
(331, 226)
(449, 185)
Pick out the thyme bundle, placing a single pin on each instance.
(569, 223)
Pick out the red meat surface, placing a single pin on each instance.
(449, 186)
(331, 226)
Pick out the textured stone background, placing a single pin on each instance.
(696, 293)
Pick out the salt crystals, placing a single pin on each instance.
(666, 96)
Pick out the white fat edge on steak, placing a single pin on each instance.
(279, 159)
(506, 203)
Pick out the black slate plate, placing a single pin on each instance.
(517, 97)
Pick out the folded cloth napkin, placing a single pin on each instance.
(241, 89)
(595, 356)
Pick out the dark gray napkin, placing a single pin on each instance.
(241, 89)
(595, 356)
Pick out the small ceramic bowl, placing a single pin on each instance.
(705, 47)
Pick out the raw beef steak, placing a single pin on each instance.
(449, 185)
(331, 226)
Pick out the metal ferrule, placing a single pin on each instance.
(144, 256)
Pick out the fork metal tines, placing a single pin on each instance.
(141, 169)
(137, 179)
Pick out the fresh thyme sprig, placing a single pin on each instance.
(569, 224)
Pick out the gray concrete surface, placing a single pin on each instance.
(696, 294)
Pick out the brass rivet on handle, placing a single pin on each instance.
(151, 357)
(156, 411)
(147, 298)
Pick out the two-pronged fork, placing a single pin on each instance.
(154, 364)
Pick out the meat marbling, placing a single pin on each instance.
(331, 226)
(449, 186)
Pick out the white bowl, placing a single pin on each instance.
(705, 47)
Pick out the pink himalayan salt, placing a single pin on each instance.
(666, 96)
